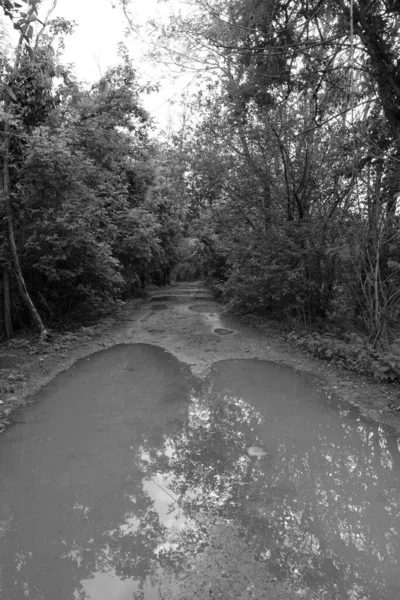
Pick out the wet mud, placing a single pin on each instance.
(136, 476)
(181, 294)
(178, 298)
(155, 307)
(211, 309)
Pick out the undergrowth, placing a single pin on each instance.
(354, 353)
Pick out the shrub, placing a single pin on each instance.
(355, 354)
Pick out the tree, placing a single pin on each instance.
(294, 155)
(77, 185)
(24, 25)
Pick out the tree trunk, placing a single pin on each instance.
(3, 332)
(6, 304)
(383, 58)
(14, 253)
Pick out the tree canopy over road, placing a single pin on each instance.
(293, 157)
(285, 167)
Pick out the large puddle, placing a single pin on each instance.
(106, 481)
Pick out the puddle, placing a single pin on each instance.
(159, 307)
(180, 297)
(210, 309)
(108, 486)
(161, 298)
(221, 331)
(181, 294)
(181, 291)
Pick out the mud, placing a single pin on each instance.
(210, 309)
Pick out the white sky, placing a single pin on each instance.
(93, 47)
(101, 24)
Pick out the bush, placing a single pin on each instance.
(355, 354)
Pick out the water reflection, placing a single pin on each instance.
(318, 504)
(321, 508)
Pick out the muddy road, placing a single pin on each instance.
(186, 461)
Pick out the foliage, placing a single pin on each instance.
(355, 354)
(293, 156)
(22, 16)
(93, 206)
(286, 167)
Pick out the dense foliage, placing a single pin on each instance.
(293, 163)
(286, 168)
(92, 208)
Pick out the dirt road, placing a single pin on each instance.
(185, 456)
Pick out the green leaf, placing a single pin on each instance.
(10, 92)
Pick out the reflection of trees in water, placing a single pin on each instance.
(99, 543)
(327, 517)
(323, 514)
(117, 536)
(97, 525)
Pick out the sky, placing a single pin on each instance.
(100, 26)
(93, 46)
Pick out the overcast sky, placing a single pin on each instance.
(93, 47)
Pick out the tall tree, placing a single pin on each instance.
(24, 25)
(304, 130)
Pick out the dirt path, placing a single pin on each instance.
(25, 365)
(168, 445)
